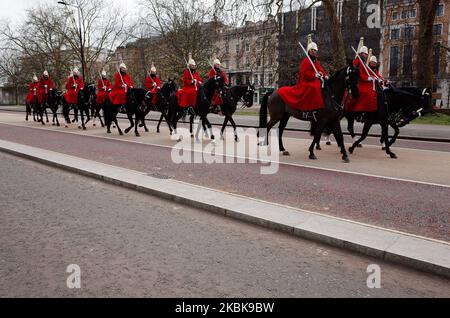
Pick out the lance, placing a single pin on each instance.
(312, 64)
(192, 76)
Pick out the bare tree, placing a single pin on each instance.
(11, 70)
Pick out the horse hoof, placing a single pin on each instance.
(393, 155)
(345, 159)
(383, 148)
(108, 132)
(93, 125)
(79, 127)
(66, 126)
(127, 131)
(318, 148)
(328, 143)
(53, 124)
(121, 133)
(84, 128)
(312, 157)
(192, 135)
(286, 153)
(359, 146)
(158, 131)
(236, 139)
(138, 135)
(57, 125)
(351, 149)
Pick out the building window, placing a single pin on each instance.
(395, 34)
(410, 32)
(404, 14)
(437, 29)
(407, 59)
(313, 18)
(393, 61)
(436, 58)
(440, 10)
(270, 78)
(394, 16)
(238, 48)
(412, 13)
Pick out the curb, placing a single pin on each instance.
(424, 254)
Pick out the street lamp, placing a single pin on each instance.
(80, 35)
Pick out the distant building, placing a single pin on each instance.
(249, 54)
(400, 42)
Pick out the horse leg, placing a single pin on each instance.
(364, 134)
(136, 125)
(394, 138)
(208, 126)
(117, 125)
(168, 122)
(82, 120)
(272, 122)
(55, 114)
(385, 134)
(46, 114)
(222, 130)
(191, 124)
(130, 118)
(27, 111)
(351, 128)
(159, 123)
(337, 132)
(282, 126)
(317, 134)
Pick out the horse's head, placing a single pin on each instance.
(248, 95)
(352, 79)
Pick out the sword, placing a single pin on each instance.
(312, 64)
(365, 68)
(192, 76)
(101, 78)
(209, 62)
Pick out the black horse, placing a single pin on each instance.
(163, 98)
(32, 108)
(231, 97)
(396, 108)
(202, 109)
(54, 100)
(81, 106)
(333, 94)
(138, 103)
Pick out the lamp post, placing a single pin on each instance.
(80, 36)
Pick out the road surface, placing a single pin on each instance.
(128, 244)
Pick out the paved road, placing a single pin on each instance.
(131, 245)
(421, 209)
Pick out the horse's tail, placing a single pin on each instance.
(263, 111)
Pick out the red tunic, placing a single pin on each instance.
(367, 100)
(73, 86)
(32, 92)
(152, 85)
(187, 96)
(44, 86)
(307, 94)
(217, 99)
(102, 91)
(118, 95)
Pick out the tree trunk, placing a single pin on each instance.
(337, 40)
(424, 66)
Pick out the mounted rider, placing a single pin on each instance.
(187, 96)
(306, 95)
(217, 100)
(122, 82)
(45, 85)
(103, 88)
(367, 100)
(33, 90)
(74, 85)
(153, 84)
(374, 69)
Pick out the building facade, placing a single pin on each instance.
(400, 43)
